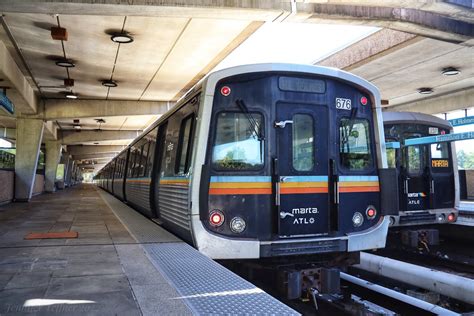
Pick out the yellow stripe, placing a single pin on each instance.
(174, 181)
(359, 184)
(304, 185)
(240, 185)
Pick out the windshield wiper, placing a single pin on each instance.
(254, 126)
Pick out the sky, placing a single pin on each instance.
(301, 43)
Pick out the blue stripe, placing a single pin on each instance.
(174, 178)
(240, 179)
(358, 178)
(392, 145)
(306, 179)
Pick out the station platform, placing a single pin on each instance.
(121, 263)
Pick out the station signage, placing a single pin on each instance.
(6, 104)
(439, 139)
(462, 121)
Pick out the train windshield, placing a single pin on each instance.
(354, 149)
(238, 145)
(439, 151)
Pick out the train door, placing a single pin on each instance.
(301, 170)
(442, 176)
(415, 177)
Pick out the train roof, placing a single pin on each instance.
(414, 117)
(210, 80)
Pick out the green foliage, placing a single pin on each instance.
(465, 160)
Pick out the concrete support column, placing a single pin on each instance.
(65, 160)
(53, 154)
(67, 171)
(29, 133)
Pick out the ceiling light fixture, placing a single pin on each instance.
(109, 83)
(65, 63)
(122, 38)
(71, 95)
(425, 90)
(450, 71)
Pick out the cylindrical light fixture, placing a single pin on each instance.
(122, 38)
(450, 71)
(109, 83)
(71, 95)
(425, 90)
(65, 63)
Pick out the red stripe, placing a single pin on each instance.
(303, 190)
(359, 189)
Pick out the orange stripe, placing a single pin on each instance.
(359, 189)
(303, 190)
(239, 191)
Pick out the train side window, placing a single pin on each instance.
(237, 145)
(354, 144)
(303, 142)
(144, 159)
(152, 135)
(182, 165)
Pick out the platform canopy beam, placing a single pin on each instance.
(75, 109)
(93, 149)
(72, 137)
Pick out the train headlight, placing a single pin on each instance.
(392, 221)
(216, 218)
(237, 225)
(441, 217)
(357, 219)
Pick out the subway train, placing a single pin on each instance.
(428, 184)
(264, 161)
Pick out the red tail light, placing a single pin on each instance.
(225, 91)
(216, 218)
(451, 217)
(371, 212)
(363, 101)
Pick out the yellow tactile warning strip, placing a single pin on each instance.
(52, 235)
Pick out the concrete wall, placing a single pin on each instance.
(470, 184)
(38, 187)
(7, 185)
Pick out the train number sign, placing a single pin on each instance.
(343, 104)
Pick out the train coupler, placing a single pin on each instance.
(293, 283)
(421, 239)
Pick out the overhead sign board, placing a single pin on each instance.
(439, 139)
(6, 104)
(462, 121)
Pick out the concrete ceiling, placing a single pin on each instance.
(406, 63)
(176, 44)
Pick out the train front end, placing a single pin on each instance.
(428, 184)
(288, 163)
